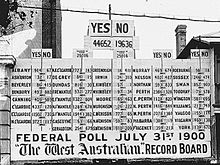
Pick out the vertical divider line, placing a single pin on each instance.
(200, 61)
(122, 98)
(72, 97)
(81, 64)
(191, 89)
(172, 96)
(92, 94)
(41, 67)
(112, 93)
(41, 61)
(51, 81)
(161, 64)
(132, 96)
(122, 65)
(152, 84)
(31, 98)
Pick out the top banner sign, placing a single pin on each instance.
(197, 53)
(163, 53)
(41, 53)
(115, 28)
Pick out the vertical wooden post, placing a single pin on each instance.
(110, 11)
(6, 63)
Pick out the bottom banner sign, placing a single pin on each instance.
(109, 145)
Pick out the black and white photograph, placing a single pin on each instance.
(109, 82)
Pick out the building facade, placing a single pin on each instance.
(42, 16)
(211, 43)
